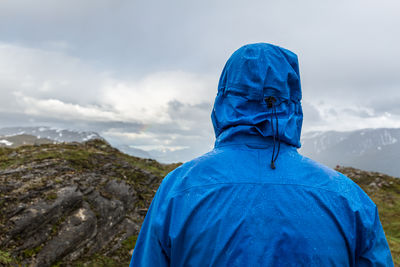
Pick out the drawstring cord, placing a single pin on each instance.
(275, 135)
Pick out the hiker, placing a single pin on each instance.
(254, 200)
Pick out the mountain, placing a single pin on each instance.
(136, 152)
(40, 132)
(23, 139)
(73, 204)
(171, 155)
(82, 204)
(368, 149)
(16, 136)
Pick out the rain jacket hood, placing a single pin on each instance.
(253, 73)
(229, 208)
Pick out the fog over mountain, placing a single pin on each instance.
(83, 204)
(14, 136)
(368, 149)
(145, 75)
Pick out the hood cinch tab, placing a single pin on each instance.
(271, 104)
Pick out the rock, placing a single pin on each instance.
(36, 216)
(121, 191)
(110, 212)
(65, 203)
(74, 232)
(373, 185)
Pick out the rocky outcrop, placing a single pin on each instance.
(80, 204)
(70, 203)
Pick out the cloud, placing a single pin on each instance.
(386, 104)
(148, 100)
(169, 110)
(147, 74)
(347, 118)
(68, 88)
(47, 74)
(311, 115)
(58, 109)
(165, 110)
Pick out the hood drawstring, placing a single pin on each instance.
(271, 104)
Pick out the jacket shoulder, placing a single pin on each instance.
(326, 178)
(196, 172)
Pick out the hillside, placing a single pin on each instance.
(23, 139)
(366, 149)
(384, 190)
(45, 132)
(82, 204)
(73, 203)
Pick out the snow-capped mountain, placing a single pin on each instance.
(369, 149)
(8, 136)
(136, 152)
(23, 139)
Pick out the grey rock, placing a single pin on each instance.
(41, 213)
(110, 212)
(73, 233)
(121, 191)
(52, 211)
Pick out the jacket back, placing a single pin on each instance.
(230, 208)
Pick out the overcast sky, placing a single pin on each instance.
(145, 73)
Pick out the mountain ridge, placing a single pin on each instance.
(82, 204)
(367, 149)
(73, 203)
(46, 132)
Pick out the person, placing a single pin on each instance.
(254, 200)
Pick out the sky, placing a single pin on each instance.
(145, 73)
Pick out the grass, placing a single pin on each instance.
(394, 244)
(389, 213)
(5, 257)
(93, 155)
(120, 257)
(88, 156)
(386, 196)
(28, 253)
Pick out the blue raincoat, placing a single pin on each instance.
(229, 207)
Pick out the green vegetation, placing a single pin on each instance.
(129, 243)
(98, 157)
(28, 253)
(120, 257)
(81, 157)
(47, 165)
(98, 260)
(384, 190)
(5, 257)
(389, 213)
(51, 196)
(4, 157)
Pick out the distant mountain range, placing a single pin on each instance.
(368, 149)
(16, 136)
(134, 151)
(78, 204)
(83, 204)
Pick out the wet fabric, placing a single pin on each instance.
(230, 208)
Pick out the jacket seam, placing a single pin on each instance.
(259, 165)
(243, 144)
(254, 183)
(253, 143)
